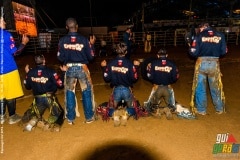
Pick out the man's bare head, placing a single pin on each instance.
(71, 23)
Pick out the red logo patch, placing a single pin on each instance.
(39, 73)
(73, 39)
(119, 62)
(164, 62)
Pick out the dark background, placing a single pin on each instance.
(117, 12)
(53, 13)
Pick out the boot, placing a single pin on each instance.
(158, 113)
(124, 118)
(116, 118)
(168, 113)
(31, 124)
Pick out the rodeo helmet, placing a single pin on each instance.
(121, 48)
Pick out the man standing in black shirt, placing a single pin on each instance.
(74, 52)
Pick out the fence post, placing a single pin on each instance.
(175, 38)
(237, 33)
(154, 39)
(165, 35)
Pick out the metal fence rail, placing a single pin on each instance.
(48, 42)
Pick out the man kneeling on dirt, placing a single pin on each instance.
(44, 82)
(162, 72)
(122, 74)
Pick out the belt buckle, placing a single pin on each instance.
(69, 64)
(50, 95)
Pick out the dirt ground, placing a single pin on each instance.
(147, 138)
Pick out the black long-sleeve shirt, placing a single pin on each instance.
(162, 71)
(74, 48)
(208, 43)
(42, 79)
(120, 71)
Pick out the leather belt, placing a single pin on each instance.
(208, 58)
(74, 64)
(120, 86)
(48, 94)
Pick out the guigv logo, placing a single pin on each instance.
(225, 146)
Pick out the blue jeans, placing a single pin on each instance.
(207, 72)
(82, 75)
(122, 93)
